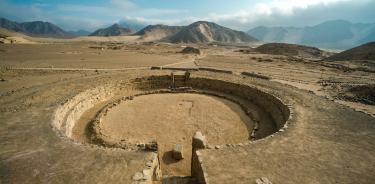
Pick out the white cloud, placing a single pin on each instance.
(147, 21)
(287, 7)
(159, 12)
(123, 4)
(111, 13)
(265, 12)
(278, 7)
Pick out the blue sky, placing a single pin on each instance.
(236, 14)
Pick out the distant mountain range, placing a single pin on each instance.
(198, 32)
(79, 33)
(132, 25)
(114, 30)
(36, 28)
(336, 34)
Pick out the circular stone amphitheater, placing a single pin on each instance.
(163, 126)
(159, 112)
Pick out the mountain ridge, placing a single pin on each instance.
(205, 32)
(113, 30)
(335, 34)
(362, 52)
(35, 28)
(158, 32)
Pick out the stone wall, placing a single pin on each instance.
(276, 109)
(69, 112)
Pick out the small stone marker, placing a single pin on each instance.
(177, 152)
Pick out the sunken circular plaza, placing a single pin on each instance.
(155, 113)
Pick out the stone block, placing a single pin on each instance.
(199, 141)
(177, 152)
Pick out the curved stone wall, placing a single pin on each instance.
(68, 113)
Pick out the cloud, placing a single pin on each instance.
(148, 21)
(72, 23)
(123, 4)
(295, 13)
(274, 7)
(287, 7)
(274, 12)
(83, 9)
(81, 16)
(115, 12)
(269, 13)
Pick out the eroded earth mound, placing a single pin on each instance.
(291, 50)
(363, 52)
(363, 94)
(191, 50)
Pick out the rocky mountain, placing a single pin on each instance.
(336, 34)
(79, 33)
(157, 32)
(363, 52)
(136, 26)
(204, 32)
(36, 28)
(44, 28)
(114, 30)
(11, 25)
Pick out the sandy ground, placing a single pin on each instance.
(83, 56)
(306, 75)
(173, 119)
(325, 143)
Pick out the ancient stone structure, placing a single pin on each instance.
(69, 112)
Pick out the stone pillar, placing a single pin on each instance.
(172, 81)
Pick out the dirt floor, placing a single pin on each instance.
(173, 119)
(326, 142)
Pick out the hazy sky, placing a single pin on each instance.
(237, 14)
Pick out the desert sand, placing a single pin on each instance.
(52, 91)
